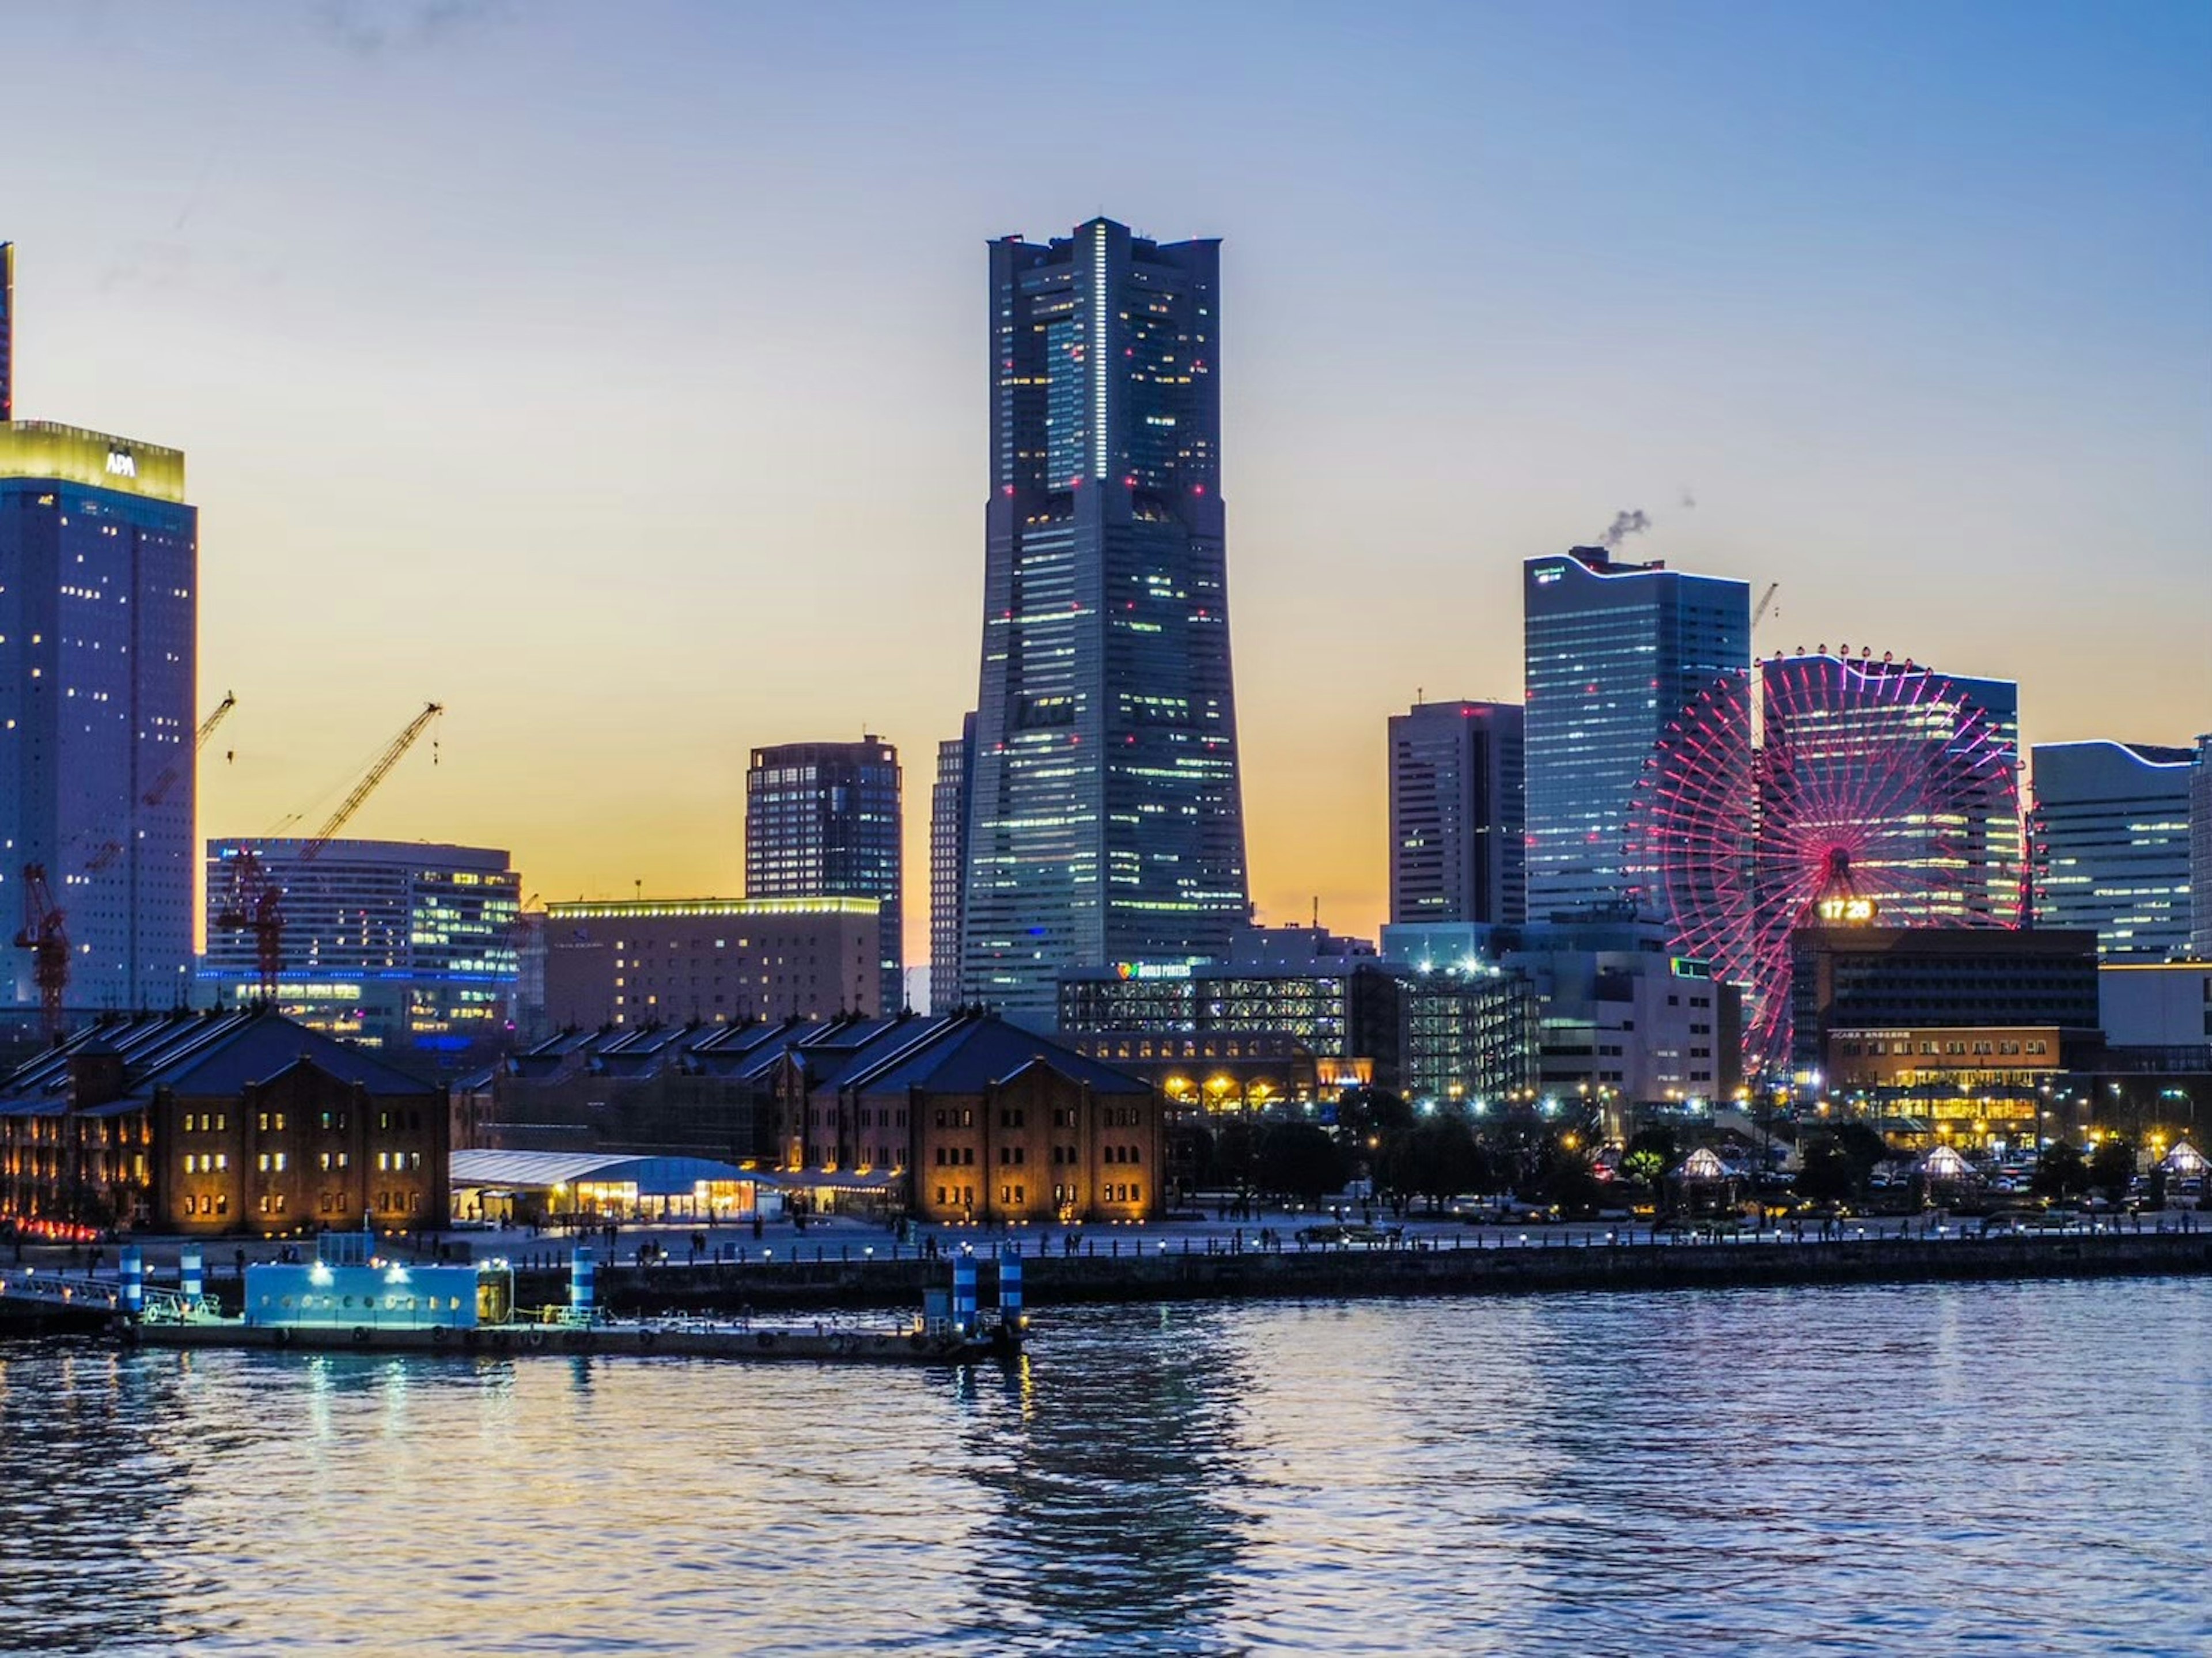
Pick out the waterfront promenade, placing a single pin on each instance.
(844, 1264)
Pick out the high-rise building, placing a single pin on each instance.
(2109, 837)
(1105, 819)
(823, 821)
(948, 858)
(1458, 812)
(7, 331)
(99, 579)
(1614, 651)
(2200, 852)
(401, 945)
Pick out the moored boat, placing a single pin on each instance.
(351, 1299)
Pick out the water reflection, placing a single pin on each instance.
(1114, 1483)
(1853, 1470)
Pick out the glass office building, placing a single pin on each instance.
(822, 820)
(98, 623)
(1614, 651)
(2200, 853)
(948, 860)
(1458, 809)
(2109, 832)
(405, 946)
(1104, 817)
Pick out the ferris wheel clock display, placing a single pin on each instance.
(1866, 790)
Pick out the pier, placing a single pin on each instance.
(1578, 1260)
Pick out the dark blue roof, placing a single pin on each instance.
(971, 1054)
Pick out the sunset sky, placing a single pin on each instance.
(616, 374)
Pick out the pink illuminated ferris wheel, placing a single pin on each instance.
(1870, 791)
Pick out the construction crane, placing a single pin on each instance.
(111, 850)
(376, 774)
(257, 901)
(48, 939)
(167, 779)
(1765, 603)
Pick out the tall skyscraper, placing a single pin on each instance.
(2109, 839)
(1458, 814)
(823, 821)
(98, 626)
(948, 858)
(7, 331)
(1614, 651)
(1105, 819)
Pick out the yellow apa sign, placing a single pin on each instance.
(69, 454)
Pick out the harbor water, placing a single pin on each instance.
(1876, 1469)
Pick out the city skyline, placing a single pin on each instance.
(1859, 444)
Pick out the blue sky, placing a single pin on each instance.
(615, 373)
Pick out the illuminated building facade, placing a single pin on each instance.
(1104, 818)
(200, 1124)
(952, 1117)
(1868, 978)
(710, 961)
(7, 331)
(2109, 836)
(2200, 852)
(1618, 1014)
(823, 821)
(1235, 1037)
(948, 861)
(99, 615)
(405, 946)
(1458, 811)
(1614, 651)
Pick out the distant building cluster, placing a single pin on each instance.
(1673, 875)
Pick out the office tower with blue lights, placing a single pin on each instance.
(2109, 845)
(99, 625)
(1614, 651)
(1458, 809)
(1105, 820)
(822, 820)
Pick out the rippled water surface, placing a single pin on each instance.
(1877, 1470)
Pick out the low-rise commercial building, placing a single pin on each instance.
(711, 961)
(1864, 978)
(1619, 1017)
(1230, 1036)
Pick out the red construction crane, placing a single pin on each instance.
(257, 901)
(48, 939)
(44, 934)
(254, 906)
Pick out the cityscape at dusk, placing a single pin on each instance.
(586, 375)
(1208, 829)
